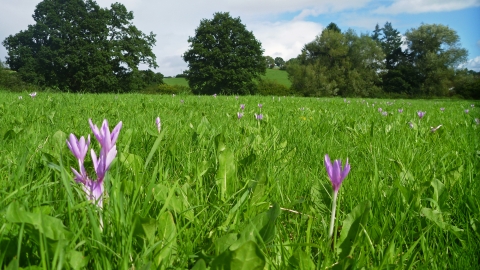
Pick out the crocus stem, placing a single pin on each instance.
(334, 208)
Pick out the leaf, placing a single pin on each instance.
(167, 233)
(154, 148)
(352, 224)
(246, 257)
(131, 162)
(434, 215)
(77, 260)
(199, 265)
(51, 227)
(226, 173)
(300, 260)
(145, 228)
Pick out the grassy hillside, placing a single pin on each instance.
(279, 76)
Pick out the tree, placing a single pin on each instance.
(279, 62)
(223, 57)
(269, 61)
(337, 64)
(77, 46)
(435, 51)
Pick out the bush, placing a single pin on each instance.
(166, 89)
(266, 87)
(11, 81)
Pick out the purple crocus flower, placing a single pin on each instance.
(400, 110)
(158, 123)
(32, 95)
(20, 97)
(79, 148)
(410, 124)
(473, 105)
(239, 115)
(336, 175)
(182, 101)
(259, 116)
(477, 121)
(242, 106)
(384, 113)
(466, 111)
(260, 105)
(214, 95)
(421, 114)
(236, 97)
(380, 109)
(442, 109)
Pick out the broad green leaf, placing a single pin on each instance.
(51, 227)
(145, 228)
(225, 176)
(246, 257)
(77, 260)
(434, 215)
(352, 225)
(300, 260)
(167, 233)
(199, 265)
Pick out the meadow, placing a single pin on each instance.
(211, 189)
(276, 75)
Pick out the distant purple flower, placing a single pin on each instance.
(466, 111)
(336, 175)
(158, 123)
(345, 100)
(373, 104)
(173, 95)
(20, 97)
(433, 129)
(410, 124)
(384, 113)
(400, 110)
(182, 101)
(473, 105)
(380, 109)
(242, 106)
(259, 116)
(32, 95)
(421, 114)
(302, 108)
(260, 105)
(239, 115)
(236, 97)
(477, 121)
(79, 148)
(442, 109)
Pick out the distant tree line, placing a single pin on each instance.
(78, 46)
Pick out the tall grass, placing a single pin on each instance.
(214, 190)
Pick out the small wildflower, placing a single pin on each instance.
(473, 105)
(260, 105)
(20, 97)
(400, 110)
(384, 113)
(380, 110)
(442, 109)
(421, 114)
(214, 95)
(239, 115)
(236, 97)
(182, 101)
(259, 116)
(242, 106)
(173, 95)
(466, 111)
(336, 175)
(477, 121)
(410, 124)
(32, 95)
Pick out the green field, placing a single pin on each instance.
(214, 190)
(279, 76)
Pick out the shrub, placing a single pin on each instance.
(173, 89)
(267, 87)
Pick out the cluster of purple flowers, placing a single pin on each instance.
(94, 188)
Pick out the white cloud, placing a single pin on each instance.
(421, 6)
(473, 64)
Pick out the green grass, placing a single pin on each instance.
(279, 76)
(211, 187)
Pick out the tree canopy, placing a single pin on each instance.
(76, 45)
(224, 57)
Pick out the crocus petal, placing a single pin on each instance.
(110, 156)
(115, 132)
(95, 130)
(78, 177)
(346, 170)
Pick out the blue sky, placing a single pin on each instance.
(283, 26)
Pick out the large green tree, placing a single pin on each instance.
(78, 46)
(223, 57)
(337, 63)
(435, 52)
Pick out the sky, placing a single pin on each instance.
(282, 26)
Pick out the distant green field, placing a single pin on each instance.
(280, 76)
